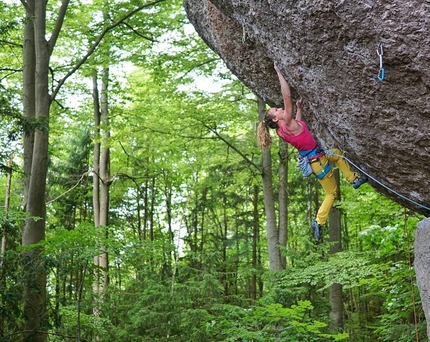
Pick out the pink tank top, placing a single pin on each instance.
(303, 141)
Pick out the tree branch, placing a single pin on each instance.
(6, 42)
(58, 25)
(136, 32)
(26, 6)
(67, 191)
(97, 43)
(10, 69)
(249, 161)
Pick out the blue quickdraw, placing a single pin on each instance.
(380, 53)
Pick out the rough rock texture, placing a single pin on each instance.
(422, 266)
(327, 50)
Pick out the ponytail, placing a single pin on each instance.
(264, 139)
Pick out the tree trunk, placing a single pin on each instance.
(96, 175)
(105, 177)
(96, 158)
(145, 207)
(6, 209)
(224, 234)
(283, 198)
(152, 192)
(3, 243)
(29, 95)
(168, 195)
(255, 241)
(422, 266)
(269, 205)
(101, 182)
(36, 105)
(336, 298)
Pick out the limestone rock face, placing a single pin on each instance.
(327, 51)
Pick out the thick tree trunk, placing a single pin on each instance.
(36, 104)
(96, 173)
(29, 95)
(422, 266)
(101, 181)
(336, 297)
(283, 197)
(105, 178)
(269, 205)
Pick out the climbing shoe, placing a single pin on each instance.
(357, 182)
(317, 230)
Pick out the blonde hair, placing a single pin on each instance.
(264, 139)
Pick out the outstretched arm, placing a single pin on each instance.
(299, 104)
(286, 95)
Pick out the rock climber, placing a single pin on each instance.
(295, 132)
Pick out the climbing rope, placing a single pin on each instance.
(380, 53)
(377, 181)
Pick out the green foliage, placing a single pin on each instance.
(186, 243)
(346, 268)
(195, 311)
(395, 282)
(80, 243)
(11, 128)
(272, 322)
(87, 323)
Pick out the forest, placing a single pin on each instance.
(137, 206)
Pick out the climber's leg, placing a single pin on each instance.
(329, 185)
(330, 188)
(342, 164)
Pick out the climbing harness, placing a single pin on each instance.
(376, 181)
(306, 158)
(312, 154)
(380, 52)
(324, 171)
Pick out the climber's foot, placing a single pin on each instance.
(317, 230)
(357, 182)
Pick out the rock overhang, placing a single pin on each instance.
(328, 53)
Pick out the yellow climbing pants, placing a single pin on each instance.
(328, 182)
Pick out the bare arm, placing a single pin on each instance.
(299, 105)
(286, 95)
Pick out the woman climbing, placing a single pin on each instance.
(296, 133)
